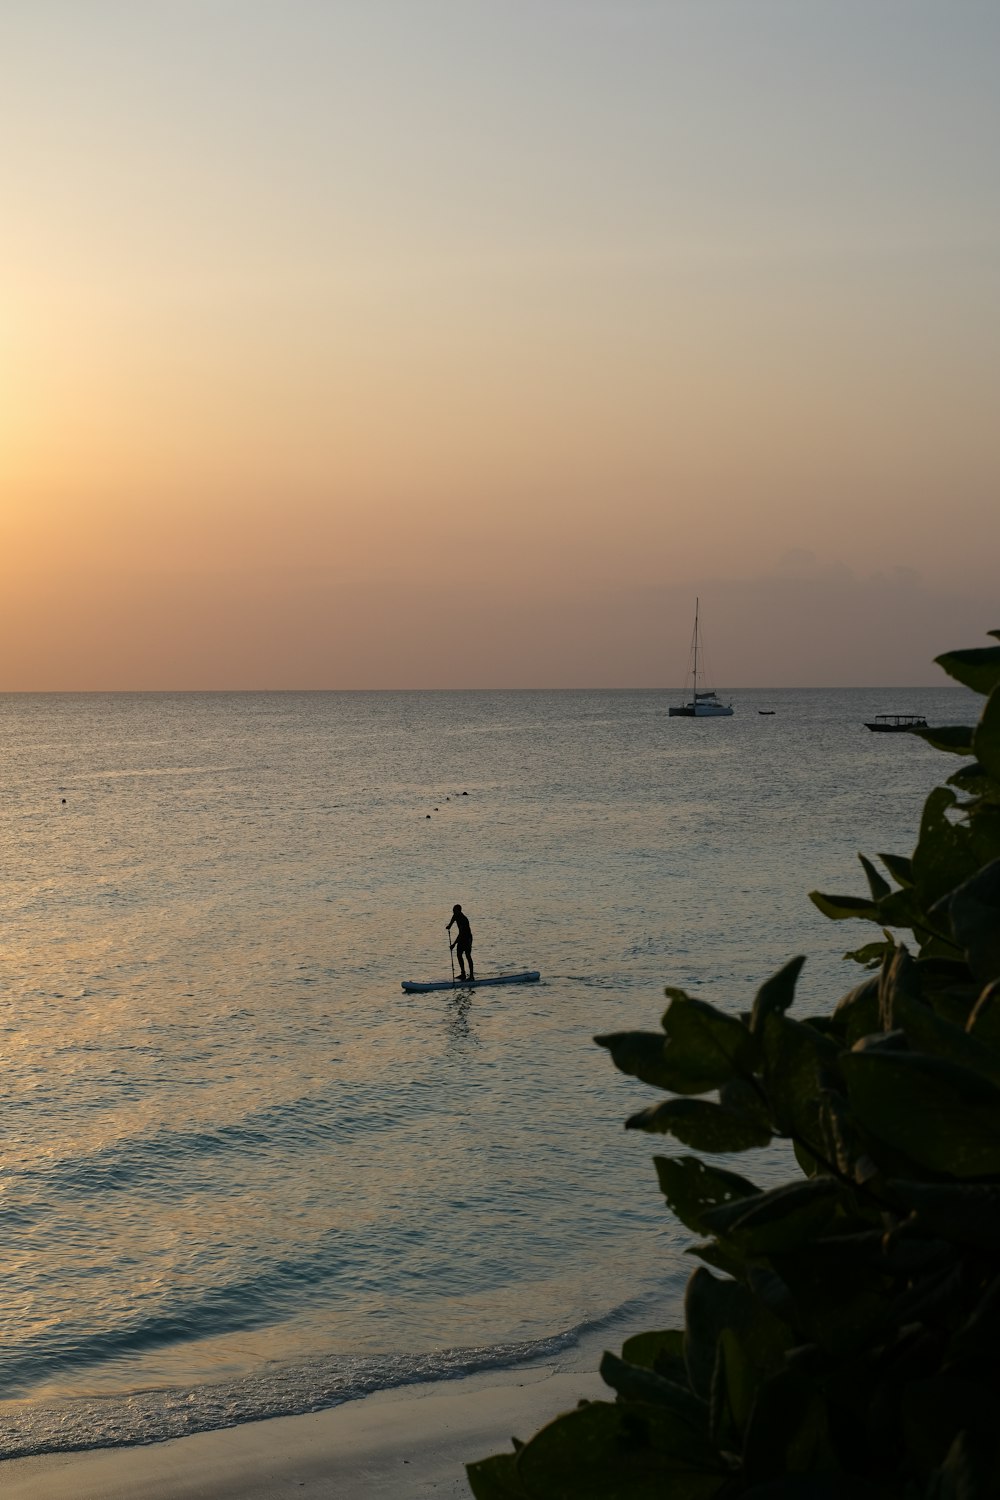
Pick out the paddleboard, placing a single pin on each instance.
(411, 986)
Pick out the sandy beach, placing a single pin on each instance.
(396, 1445)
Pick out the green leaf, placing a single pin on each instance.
(641, 1054)
(984, 1022)
(974, 913)
(740, 1381)
(870, 954)
(987, 738)
(841, 1145)
(691, 1187)
(825, 1025)
(496, 1478)
(903, 908)
(776, 994)
(799, 1063)
(619, 1451)
(945, 855)
(662, 1351)
(841, 908)
(719, 1257)
(634, 1383)
(954, 738)
(941, 1116)
(858, 1011)
(877, 884)
(702, 1049)
(928, 1033)
(723, 1430)
(977, 668)
(744, 1097)
(883, 1041)
(704, 1126)
(713, 1306)
(782, 1219)
(707, 1044)
(948, 987)
(897, 979)
(973, 781)
(900, 868)
(811, 1165)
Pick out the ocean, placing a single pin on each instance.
(241, 1173)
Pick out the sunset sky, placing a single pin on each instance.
(451, 343)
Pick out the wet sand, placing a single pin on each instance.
(395, 1445)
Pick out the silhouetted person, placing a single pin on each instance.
(463, 940)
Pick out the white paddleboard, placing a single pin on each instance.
(411, 986)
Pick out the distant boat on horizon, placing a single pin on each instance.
(895, 723)
(704, 704)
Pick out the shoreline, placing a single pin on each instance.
(405, 1443)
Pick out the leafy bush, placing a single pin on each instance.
(841, 1338)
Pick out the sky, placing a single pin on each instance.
(464, 343)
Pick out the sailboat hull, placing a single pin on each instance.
(701, 711)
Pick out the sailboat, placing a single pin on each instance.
(704, 704)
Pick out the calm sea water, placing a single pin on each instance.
(242, 1174)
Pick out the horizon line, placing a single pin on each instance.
(882, 687)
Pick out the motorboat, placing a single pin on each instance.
(895, 723)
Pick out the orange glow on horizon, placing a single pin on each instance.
(574, 326)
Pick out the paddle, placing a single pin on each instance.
(451, 955)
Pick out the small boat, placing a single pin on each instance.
(895, 723)
(413, 986)
(704, 704)
(766, 711)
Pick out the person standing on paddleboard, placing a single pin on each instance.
(463, 940)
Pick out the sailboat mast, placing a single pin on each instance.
(696, 650)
